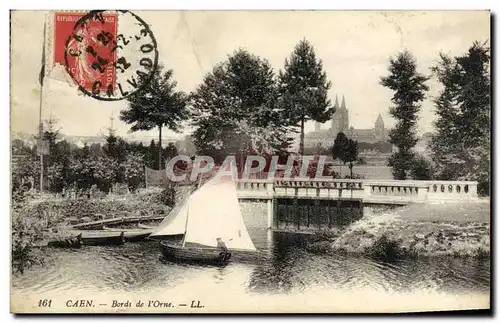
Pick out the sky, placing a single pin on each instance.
(354, 46)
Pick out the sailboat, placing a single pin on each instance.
(212, 211)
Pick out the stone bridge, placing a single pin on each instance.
(385, 192)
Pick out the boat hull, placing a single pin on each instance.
(136, 236)
(194, 254)
(103, 239)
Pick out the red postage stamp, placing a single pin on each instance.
(85, 46)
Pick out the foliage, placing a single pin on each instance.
(133, 170)
(409, 90)
(25, 175)
(235, 110)
(461, 145)
(29, 225)
(421, 168)
(25, 231)
(346, 150)
(100, 171)
(339, 146)
(351, 154)
(386, 249)
(157, 105)
(303, 87)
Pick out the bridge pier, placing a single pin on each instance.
(270, 213)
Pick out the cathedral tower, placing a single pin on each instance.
(379, 126)
(344, 123)
(340, 120)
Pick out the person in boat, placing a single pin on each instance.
(222, 245)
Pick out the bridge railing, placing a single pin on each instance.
(389, 191)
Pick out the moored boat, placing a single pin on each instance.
(145, 226)
(196, 254)
(95, 238)
(209, 234)
(131, 235)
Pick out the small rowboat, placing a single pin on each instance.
(102, 238)
(136, 236)
(145, 226)
(196, 254)
(211, 224)
(89, 238)
(131, 235)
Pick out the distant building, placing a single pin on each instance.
(340, 123)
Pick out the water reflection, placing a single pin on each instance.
(286, 267)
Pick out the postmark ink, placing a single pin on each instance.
(110, 54)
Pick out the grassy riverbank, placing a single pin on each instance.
(452, 229)
(440, 229)
(35, 221)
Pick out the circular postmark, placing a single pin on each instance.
(107, 61)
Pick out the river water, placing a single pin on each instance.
(282, 267)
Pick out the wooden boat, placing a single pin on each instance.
(99, 224)
(74, 242)
(131, 235)
(201, 254)
(210, 213)
(103, 238)
(145, 226)
(136, 236)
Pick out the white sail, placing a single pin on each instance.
(214, 212)
(175, 222)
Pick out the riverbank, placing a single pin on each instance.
(37, 221)
(444, 229)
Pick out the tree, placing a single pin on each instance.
(156, 105)
(409, 90)
(304, 88)
(170, 151)
(150, 155)
(339, 147)
(236, 109)
(461, 145)
(421, 168)
(133, 170)
(351, 153)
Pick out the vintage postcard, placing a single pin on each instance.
(250, 161)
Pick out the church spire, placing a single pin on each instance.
(343, 103)
(379, 123)
(336, 106)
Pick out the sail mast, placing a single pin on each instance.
(185, 227)
(187, 218)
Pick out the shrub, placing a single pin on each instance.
(385, 248)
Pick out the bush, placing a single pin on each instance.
(30, 224)
(385, 248)
(421, 168)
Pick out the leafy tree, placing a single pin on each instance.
(461, 145)
(409, 90)
(304, 88)
(156, 105)
(421, 168)
(25, 174)
(236, 110)
(18, 147)
(339, 147)
(95, 150)
(150, 155)
(170, 151)
(133, 170)
(351, 154)
(115, 146)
